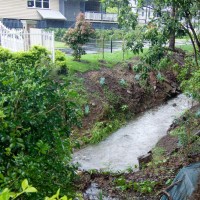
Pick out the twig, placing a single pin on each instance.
(167, 188)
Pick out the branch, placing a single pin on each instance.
(169, 187)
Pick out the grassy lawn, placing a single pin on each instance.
(187, 48)
(60, 44)
(95, 61)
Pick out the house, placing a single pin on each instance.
(54, 13)
(45, 13)
(145, 14)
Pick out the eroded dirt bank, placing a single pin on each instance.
(109, 90)
(119, 91)
(121, 149)
(157, 175)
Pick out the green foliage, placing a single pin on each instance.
(102, 129)
(56, 197)
(33, 57)
(122, 184)
(5, 54)
(36, 116)
(135, 40)
(158, 154)
(91, 61)
(191, 86)
(26, 188)
(61, 62)
(58, 33)
(6, 194)
(117, 34)
(78, 36)
(189, 75)
(87, 110)
(126, 17)
(124, 108)
(185, 132)
(122, 82)
(146, 186)
(102, 81)
(113, 99)
(183, 137)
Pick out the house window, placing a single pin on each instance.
(149, 13)
(38, 3)
(142, 14)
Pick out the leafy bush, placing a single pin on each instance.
(58, 33)
(29, 58)
(107, 34)
(36, 116)
(61, 62)
(102, 129)
(6, 194)
(78, 36)
(191, 85)
(187, 73)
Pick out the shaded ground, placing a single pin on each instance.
(196, 194)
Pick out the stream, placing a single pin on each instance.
(121, 149)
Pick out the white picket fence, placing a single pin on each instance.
(20, 40)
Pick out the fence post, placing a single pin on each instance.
(52, 46)
(123, 48)
(111, 45)
(103, 47)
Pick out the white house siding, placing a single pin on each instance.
(17, 9)
(72, 9)
(145, 14)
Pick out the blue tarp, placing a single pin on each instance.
(188, 177)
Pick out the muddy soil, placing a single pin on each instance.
(110, 89)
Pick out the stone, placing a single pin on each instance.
(144, 159)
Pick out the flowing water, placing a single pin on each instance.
(122, 148)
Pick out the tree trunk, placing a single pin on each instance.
(193, 31)
(195, 35)
(194, 47)
(172, 34)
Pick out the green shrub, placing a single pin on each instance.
(102, 129)
(5, 54)
(76, 37)
(58, 33)
(107, 34)
(36, 116)
(192, 86)
(61, 62)
(6, 194)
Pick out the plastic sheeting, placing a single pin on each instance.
(188, 177)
